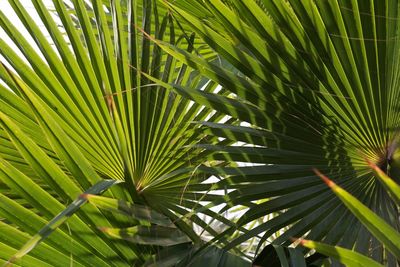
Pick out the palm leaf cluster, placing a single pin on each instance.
(75, 110)
(158, 96)
(378, 227)
(318, 85)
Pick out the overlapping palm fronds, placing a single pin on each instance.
(163, 94)
(386, 234)
(75, 109)
(318, 85)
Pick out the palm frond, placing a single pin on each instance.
(317, 85)
(76, 109)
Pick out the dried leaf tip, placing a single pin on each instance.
(103, 229)
(10, 262)
(371, 164)
(84, 196)
(324, 178)
(145, 34)
(375, 168)
(299, 241)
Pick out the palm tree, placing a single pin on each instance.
(122, 91)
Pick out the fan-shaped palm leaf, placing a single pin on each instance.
(378, 227)
(75, 110)
(318, 85)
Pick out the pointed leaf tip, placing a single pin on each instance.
(10, 262)
(372, 165)
(324, 178)
(84, 196)
(145, 34)
(300, 241)
(375, 168)
(103, 229)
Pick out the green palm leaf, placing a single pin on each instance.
(76, 110)
(378, 227)
(348, 257)
(381, 230)
(317, 85)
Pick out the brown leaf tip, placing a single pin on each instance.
(145, 34)
(371, 164)
(84, 196)
(324, 178)
(303, 242)
(11, 261)
(375, 167)
(103, 229)
(298, 241)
